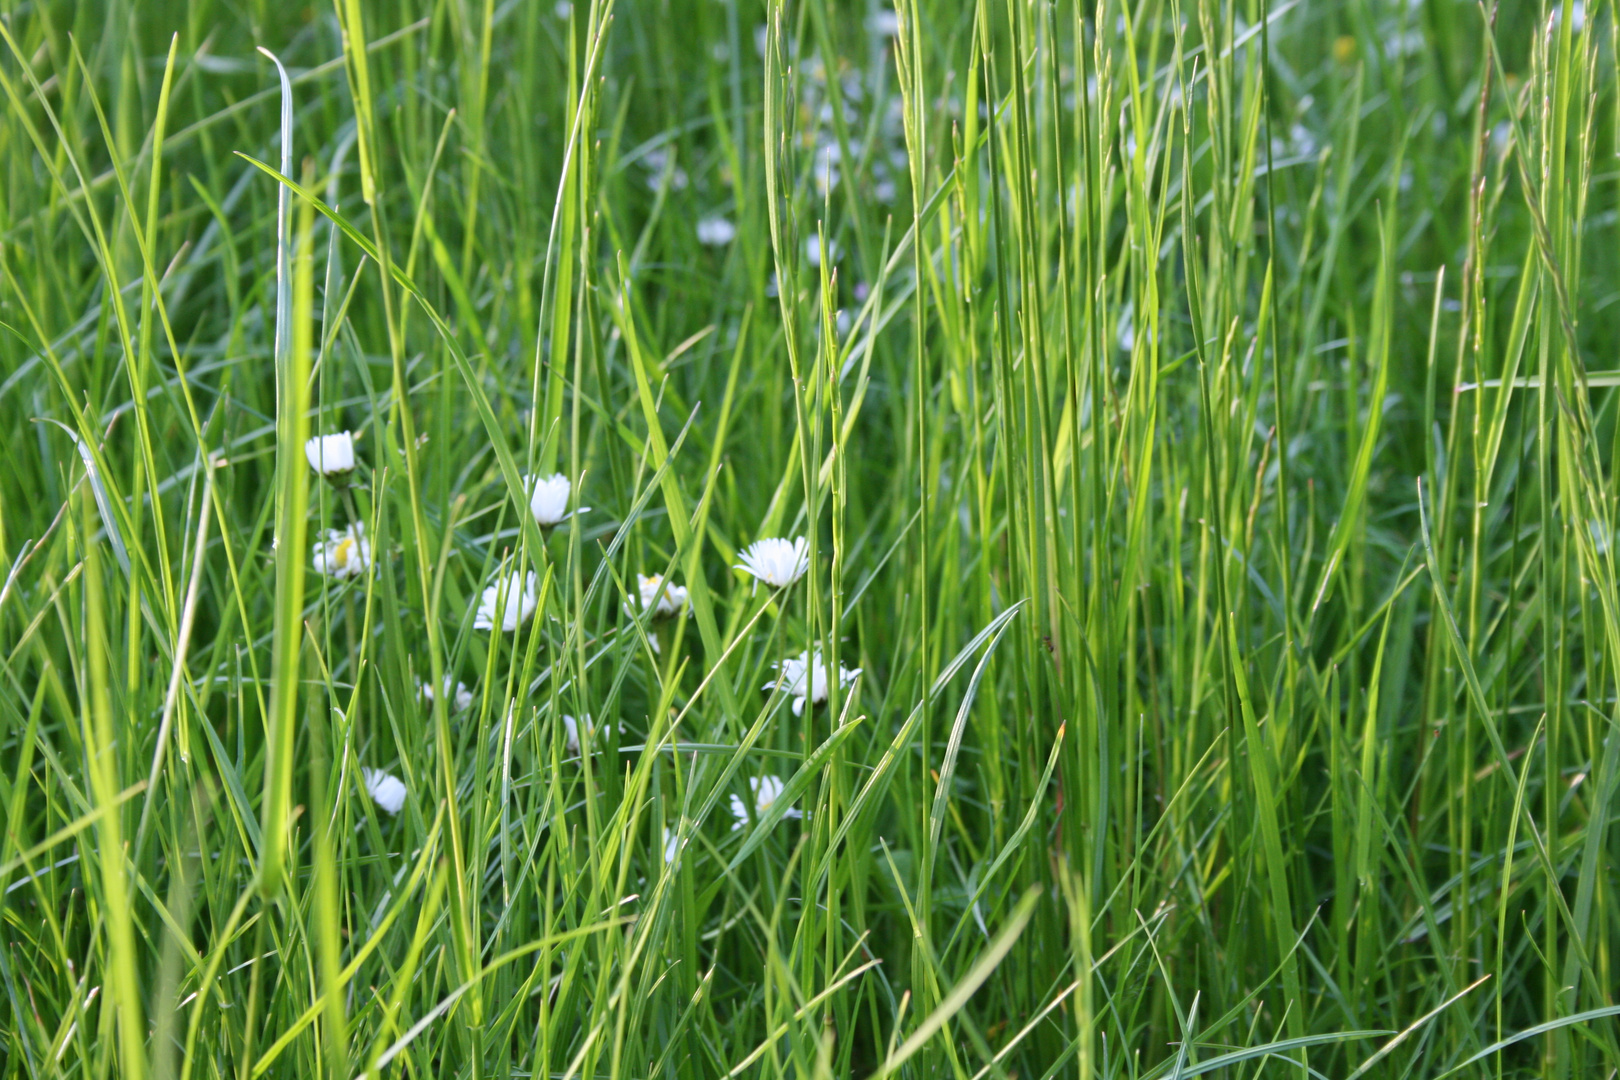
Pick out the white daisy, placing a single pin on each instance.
(342, 553)
(884, 23)
(715, 232)
(548, 498)
(767, 789)
(777, 562)
(331, 455)
(511, 600)
(812, 250)
(460, 698)
(385, 789)
(795, 673)
(656, 161)
(667, 597)
(571, 727)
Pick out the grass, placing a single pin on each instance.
(1199, 417)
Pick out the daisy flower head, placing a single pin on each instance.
(715, 232)
(572, 729)
(777, 562)
(331, 455)
(385, 789)
(508, 603)
(884, 23)
(657, 161)
(548, 498)
(456, 694)
(342, 553)
(812, 248)
(804, 677)
(672, 844)
(767, 789)
(658, 596)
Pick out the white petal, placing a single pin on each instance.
(885, 23)
(330, 455)
(804, 677)
(460, 699)
(342, 553)
(571, 740)
(548, 497)
(511, 599)
(385, 789)
(777, 562)
(715, 232)
(654, 592)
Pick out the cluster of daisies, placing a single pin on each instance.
(509, 603)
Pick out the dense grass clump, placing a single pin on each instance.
(707, 538)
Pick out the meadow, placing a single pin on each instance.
(638, 539)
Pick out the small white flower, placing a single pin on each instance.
(657, 161)
(385, 789)
(571, 738)
(672, 844)
(777, 562)
(666, 597)
(812, 250)
(511, 600)
(571, 727)
(460, 698)
(795, 673)
(884, 23)
(548, 498)
(342, 553)
(767, 789)
(1501, 137)
(331, 455)
(715, 232)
